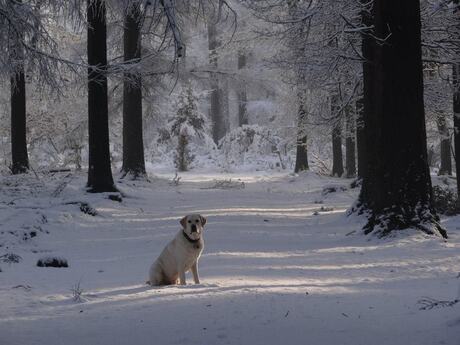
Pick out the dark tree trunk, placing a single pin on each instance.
(133, 144)
(366, 105)
(360, 137)
(217, 118)
(350, 151)
(456, 108)
(446, 162)
(99, 170)
(337, 157)
(242, 94)
(19, 157)
(397, 186)
(301, 159)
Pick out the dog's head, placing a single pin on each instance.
(193, 225)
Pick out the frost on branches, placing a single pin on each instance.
(189, 129)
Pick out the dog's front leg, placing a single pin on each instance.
(182, 277)
(194, 269)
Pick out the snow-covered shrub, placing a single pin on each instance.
(445, 200)
(52, 261)
(188, 130)
(252, 146)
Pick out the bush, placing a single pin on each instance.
(51, 261)
(445, 201)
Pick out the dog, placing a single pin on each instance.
(180, 255)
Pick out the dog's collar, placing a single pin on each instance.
(190, 239)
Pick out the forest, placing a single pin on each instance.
(314, 144)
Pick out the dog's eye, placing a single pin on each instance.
(197, 220)
(189, 221)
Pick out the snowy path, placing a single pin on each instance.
(273, 272)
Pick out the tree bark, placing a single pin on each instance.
(446, 162)
(99, 170)
(456, 109)
(19, 156)
(242, 93)
(301, 160)
(133, 144)
(360, 137)
(397, 186)
(217, 118)
(337, 157)
(350, 151)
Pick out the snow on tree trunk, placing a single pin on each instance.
(99, 170)
(133, 145)
(396, 191)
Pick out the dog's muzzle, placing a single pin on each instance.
(193, 228)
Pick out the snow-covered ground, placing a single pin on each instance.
(282, 265)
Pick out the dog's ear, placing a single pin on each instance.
(203, 220)
(183, 221)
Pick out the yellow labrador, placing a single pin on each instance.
(181, 254)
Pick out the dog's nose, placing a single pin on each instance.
(193, 228)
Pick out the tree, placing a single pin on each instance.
(350, 160)
(217, 102)
(446, 162)
(301, 159)
(19, 156)
(133, 145)
(242, 93)
(456, 99)
(337, 157)
(396, 191)
(99, 170)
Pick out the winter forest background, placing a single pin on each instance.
(309, 124)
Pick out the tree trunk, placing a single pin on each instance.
(217, 118)
(397, 186)
(360, 137)
(301, 159)
(350, 153)
(446, 162)
(133, 144)
(19, 157)
(337, 157)
(456, 108)
(242, 93)
(99, 170)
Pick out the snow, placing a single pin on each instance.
(282, 265)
